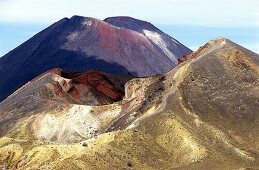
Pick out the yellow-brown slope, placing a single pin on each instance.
(203, 114)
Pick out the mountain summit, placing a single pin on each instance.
(116, 45)
(163, 42)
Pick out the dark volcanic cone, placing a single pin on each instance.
(81, 44)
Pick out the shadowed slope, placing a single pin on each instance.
(81, 44)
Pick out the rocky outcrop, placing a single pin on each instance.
(191, 55)
(97, 81)
(92, 87)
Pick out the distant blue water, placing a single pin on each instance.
(12, 35)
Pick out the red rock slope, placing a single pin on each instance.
(91, 87)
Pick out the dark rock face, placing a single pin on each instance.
(81, 44)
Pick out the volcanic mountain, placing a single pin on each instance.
(202, 114)
(117, 46)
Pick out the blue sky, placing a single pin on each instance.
(192, 22)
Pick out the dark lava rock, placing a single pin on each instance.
(129, 164)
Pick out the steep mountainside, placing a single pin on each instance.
(162, 42)
(202, 114)
(81, 44)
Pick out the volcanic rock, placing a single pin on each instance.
(81, 43)
(162, 42)
(202, 114)
(191, 55)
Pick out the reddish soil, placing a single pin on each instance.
(107, 36)
(191, 55)
(91, 87)
(96, 81)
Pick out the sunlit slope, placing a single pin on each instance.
(201, 114)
